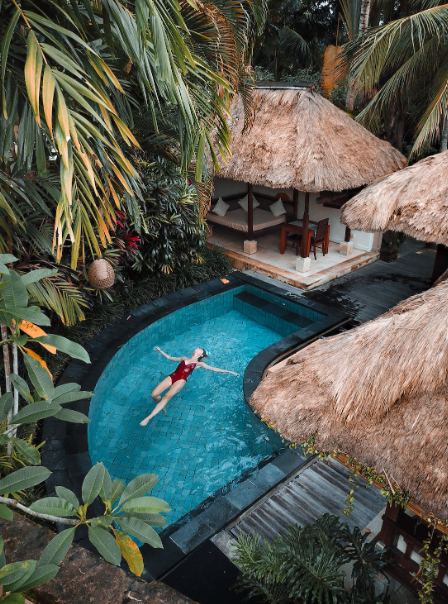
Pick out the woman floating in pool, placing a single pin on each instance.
(177, 380)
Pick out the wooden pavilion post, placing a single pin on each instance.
(348, 233)
(295, 199)
(250, 213)
(440, 263)
(304, 252)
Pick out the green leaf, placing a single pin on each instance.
(37, 275)
(39, 377)
(149, 505)
(41, 575)
(65, 388)
(7, 258)
(138, 528)
(118, 486)
(35, 411)
(138, 487)
(15, 294)
(93, 482)
(105, 544)
(14, 599)
(20, 384)
(152, 519)
(71, 397)
(6, 404)
(5, 512)
(30, 453)
(66, 346)
(4, 270)
(54, 507)
(106, 489)
(74, 417)
(13, 572)
(23, 479)
(17, 585)
(68, 495)
(58, 547)
(33, 314)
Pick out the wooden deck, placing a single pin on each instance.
(320, 488)
(376, 288)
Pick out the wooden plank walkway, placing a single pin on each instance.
(320, 488)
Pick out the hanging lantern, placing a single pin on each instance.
(101, 274)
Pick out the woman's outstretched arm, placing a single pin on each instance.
(167, 356)
(215, 369)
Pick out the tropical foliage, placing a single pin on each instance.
(305, 565)
(402, 62)
(295, 37)
(174, 226)
(31, 397)
(84, 86)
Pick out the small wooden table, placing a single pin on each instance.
(296, 227)
(293, 227)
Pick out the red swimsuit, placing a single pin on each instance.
(182, 371)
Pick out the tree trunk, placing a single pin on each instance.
(364, 18)
(363, 25)
(398, 130)
(444, 135)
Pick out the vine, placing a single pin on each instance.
(429, 566)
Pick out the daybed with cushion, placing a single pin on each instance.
(263, 219)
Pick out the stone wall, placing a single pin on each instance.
(84, 577)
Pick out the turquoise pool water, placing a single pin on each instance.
(209, 436)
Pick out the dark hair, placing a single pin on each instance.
(204, 356)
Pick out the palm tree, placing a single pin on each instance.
(356, 15)
(406, 61)
(75, 74)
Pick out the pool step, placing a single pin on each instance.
(274, 309)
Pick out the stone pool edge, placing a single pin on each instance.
(66, 450)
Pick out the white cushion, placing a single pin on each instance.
(244, 202)
(277, 208)
(221, 207)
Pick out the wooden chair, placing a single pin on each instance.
(318, 240)
(294, 241)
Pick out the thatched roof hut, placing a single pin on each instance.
(413, 201)
(378, 393)
(300, 140)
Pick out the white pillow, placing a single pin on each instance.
(221, 207)
(244, 202)
(277, 208)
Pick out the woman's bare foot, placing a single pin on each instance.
(145, 421)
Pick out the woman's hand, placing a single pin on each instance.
(157, 348)
(234, 373)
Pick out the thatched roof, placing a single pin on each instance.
(300, 140)
(413, 201)
(378, 393)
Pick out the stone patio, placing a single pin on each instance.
(268, 260)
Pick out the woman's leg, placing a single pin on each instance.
(175, 388)
(164, 384)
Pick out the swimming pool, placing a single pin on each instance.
(209, 436)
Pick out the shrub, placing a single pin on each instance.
(305, 565)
